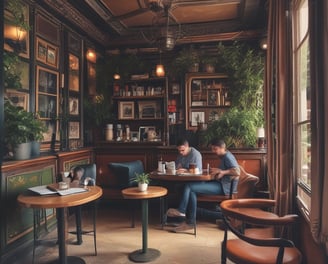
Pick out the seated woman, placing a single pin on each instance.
(220, 185)
(187, 155)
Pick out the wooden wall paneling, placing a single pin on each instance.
(16, 177)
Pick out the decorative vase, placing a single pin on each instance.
(35, 148)
(142, 187)
(23, 151)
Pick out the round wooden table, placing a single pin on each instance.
(145, 254)
(183, 177)
(31, 200)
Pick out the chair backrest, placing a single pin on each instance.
(126, 172)
(246, 184)
(90, 170)
(250, 211)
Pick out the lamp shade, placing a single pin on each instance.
(260, 132)
(91, 55)
(160, 72)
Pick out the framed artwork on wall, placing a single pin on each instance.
(125, 110)
(46, 53)
(47, 106)
(149, 109)
(73, 103)
(18, 98)
(74, 130)
(47, 80)
(74, 73)
(196, 117)
(213, 97)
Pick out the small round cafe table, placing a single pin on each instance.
(145, 254)
(31, 200)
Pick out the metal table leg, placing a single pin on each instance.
(145, 254)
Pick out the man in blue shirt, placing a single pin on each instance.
(220, 185)
(187, 155)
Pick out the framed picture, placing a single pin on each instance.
(175, 88)
(126, 110)
(73, 103)
(196, 86)
(18, 98)
(214, 115)
(47, 106)
(51, 131)
(52, 56)
(74, 130)
(212, 97)
(47, 80)
(196, 117)
(135, 136)
(149, 109)
(143, 132)
(15, 38)
(74, 73)
(46, 53)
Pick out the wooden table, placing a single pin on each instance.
(31, 200)
(180, 177)
(145, 254)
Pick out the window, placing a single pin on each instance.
(302, 103)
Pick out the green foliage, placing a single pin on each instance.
(12, 77)
(16, 8)
(21, 126)
(237, 128)
(97, 111)
(186, 58)
(245, 69)
(142, 178)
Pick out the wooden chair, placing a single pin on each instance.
(251, 249)
(245, 188)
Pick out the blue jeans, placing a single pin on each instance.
(189, 197)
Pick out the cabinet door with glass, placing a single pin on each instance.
(207, 97)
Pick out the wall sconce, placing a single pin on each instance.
(91, 55)
(14, 37)
(160, 72)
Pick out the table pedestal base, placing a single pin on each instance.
(70, 260)
(149, 255)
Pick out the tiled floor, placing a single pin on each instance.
(115, 240)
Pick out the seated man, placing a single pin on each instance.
(220, 185)
(187, 155)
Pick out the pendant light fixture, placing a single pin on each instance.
(160, 72)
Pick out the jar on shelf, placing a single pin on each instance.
(109, 132)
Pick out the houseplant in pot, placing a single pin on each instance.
(38, 128)
(21, 127)
(143, 180)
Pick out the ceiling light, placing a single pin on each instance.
(264, 43)
(91, 55)
(160, 72)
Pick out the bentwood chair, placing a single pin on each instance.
(252, 249)
(89, 174)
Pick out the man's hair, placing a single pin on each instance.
(218, 143)
(182, 141)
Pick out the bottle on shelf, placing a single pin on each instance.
(127, 132)
(109, 132)
(119, 132)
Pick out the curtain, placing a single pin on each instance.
(318, 33)
(278, 108)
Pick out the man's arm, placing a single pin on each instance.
(218, 173)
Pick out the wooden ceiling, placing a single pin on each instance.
(117, 23)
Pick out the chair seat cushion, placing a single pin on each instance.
(240, 251)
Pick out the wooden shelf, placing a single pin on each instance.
(143, 119)
(143, 97)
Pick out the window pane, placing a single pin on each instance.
(304, 155)
(302, 20)
(304, 91)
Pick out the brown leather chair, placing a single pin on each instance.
(245, 189)
(256, 250)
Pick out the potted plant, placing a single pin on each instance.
(208, 63)
(143, 180)
(38, 128)
(21, 127)
(186, 61)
